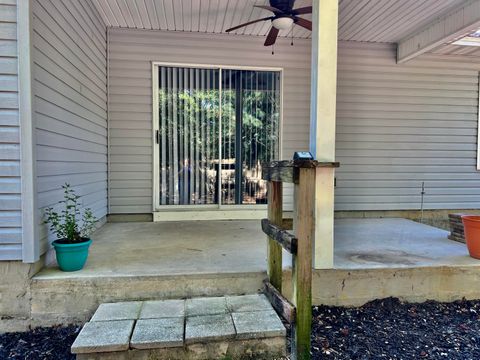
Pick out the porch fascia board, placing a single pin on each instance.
(460, 22)
(322, 123)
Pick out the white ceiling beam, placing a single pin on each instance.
(460, 22)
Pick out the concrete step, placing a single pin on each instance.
(232, 327)
(58, 297)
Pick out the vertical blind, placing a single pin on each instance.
(250, 129)
(216, 127)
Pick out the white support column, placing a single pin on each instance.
(322, 123)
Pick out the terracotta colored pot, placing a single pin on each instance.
(471, 226)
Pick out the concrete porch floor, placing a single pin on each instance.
(374, 259)
(209, 247)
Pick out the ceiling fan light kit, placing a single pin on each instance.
(282, 23)
(284, 16)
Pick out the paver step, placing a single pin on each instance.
(200, 328)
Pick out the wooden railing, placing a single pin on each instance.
(300, 244)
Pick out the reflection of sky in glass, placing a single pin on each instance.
(476, 34)
(472, 39)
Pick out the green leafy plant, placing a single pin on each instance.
(66, 223)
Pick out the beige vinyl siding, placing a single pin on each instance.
(400, 125)
(397, 125)
(10, 181)
(70, 103)
(130, 92)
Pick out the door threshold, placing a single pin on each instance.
(198, 215)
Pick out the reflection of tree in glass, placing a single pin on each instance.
(191, 116)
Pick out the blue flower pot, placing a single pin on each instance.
(71, 257)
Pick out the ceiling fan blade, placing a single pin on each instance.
(272, 36)
(249, 23)
(303, 10)
(269, 8)
(307, 24)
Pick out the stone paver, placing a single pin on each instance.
(208, 328)
(158, 333)
(167, 325)
(162, 309)
(118, 311)
(258, 324)
(206, 306)
(103, 336)
(248, 303)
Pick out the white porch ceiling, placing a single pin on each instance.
(359, 20)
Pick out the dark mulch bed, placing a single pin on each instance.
(39, 344)
(389, 329)
(381, 329)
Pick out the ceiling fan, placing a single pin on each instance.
(284, 16)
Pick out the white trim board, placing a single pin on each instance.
(30, 242)
(478, 125)
(209, 215)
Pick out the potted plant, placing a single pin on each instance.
(72, 228)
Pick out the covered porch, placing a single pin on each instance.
(229, 256)
(374, 258)
(393, 116)
(396, 116)
(239, 246)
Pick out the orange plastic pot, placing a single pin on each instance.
(471, 226)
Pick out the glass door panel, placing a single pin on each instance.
(188, 135)
(250, 133)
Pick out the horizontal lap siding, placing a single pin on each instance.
(401, 125)
(70, 103)
(10, 181)
(130, 92)
(397, 125)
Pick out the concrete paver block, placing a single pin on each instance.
(158, 333)
(162, 309)
(206, 306)
(248, 303)
(208, 328)
(103, 336)
(258, 324)
(117, 311)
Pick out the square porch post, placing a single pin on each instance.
(322, 123)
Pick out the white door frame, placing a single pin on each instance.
(256, 211)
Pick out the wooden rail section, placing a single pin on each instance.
(288, 170)
(300, 245)
(284, 238)
(274, 249)
(281, 305)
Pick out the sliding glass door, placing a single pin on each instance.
(215, 128)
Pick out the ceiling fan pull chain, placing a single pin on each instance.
(273, 49)
(291, 31)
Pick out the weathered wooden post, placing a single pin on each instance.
(302, 174)
(304, 228)
(275, 217)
